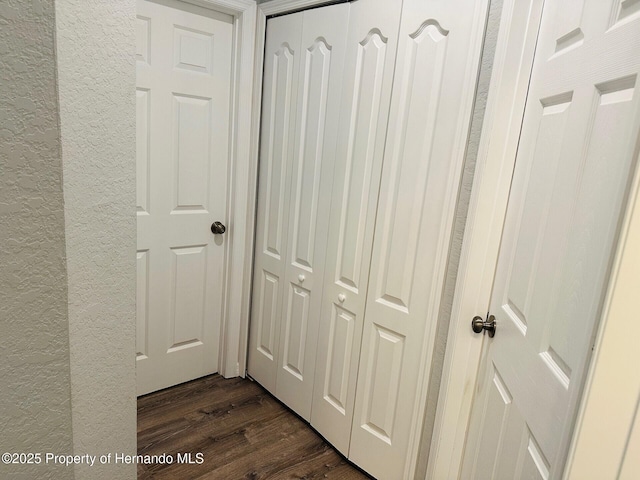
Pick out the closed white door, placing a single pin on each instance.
(322, 54)
(304, 58)
(577, 149)
(367, 78)
(279, 96)
(433, 91)
(183, 96)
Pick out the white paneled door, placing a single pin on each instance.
(183, 97)
(366, 93)
(433, 90)
(281, 60)
(359, 171)
(322, 53)
(577, 151)
(304, 60)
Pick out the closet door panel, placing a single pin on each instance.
(367, 77)
(309, 155)
(412, 166)
(282, 58)
(323, 45)
(434, 85)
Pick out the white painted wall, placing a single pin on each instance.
(35, 398)
(95, 42)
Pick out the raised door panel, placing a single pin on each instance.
(280, 90)
(282, 101)
(143, 157)
(436, 70)
(309, 155)
(193, 50)
(497, 410)
(323, 45)
(577, 151)
(335, 382)
(142, 304)
(143, 39)
(367, 76)
(188, 292)
(191, 156)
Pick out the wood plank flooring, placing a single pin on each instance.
(241, 431)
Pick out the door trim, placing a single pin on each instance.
(242, 187)
(278, 7)
(499, 141)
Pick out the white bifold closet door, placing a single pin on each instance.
(367, 81)
(304, 59)
(434, 83)
(355, 216)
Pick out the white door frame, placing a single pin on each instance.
(242, 187)
(505, 108)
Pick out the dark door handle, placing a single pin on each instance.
(478, 325)
(217, 228)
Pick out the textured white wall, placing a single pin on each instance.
(35, 400)
(95, 42)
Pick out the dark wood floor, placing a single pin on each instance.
(241, 431)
